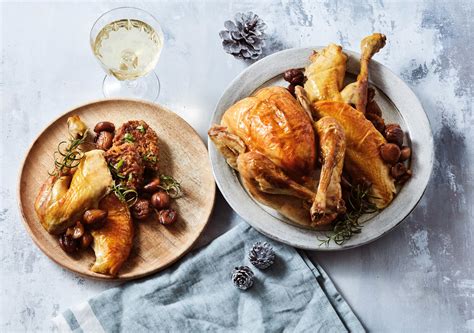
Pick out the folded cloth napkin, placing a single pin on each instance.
(197, 295)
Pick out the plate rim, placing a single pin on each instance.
(214, 155)
(97, 276)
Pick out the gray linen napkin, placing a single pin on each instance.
(197, 295)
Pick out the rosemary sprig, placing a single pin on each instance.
(358, 204)
(171, 186)
(68, 155)
(125, 194)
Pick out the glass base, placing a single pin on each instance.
(146, 87)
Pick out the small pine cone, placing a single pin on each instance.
(262, 255)
(242, 277)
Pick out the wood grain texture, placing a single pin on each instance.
(182, 155)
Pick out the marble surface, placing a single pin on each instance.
(420, 277)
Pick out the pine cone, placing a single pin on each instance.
(242, 277)
(245, 38)
(262, 255)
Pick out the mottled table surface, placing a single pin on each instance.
(420, 277)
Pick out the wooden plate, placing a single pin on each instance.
(399, 105)
(182, 155)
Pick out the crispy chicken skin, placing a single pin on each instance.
(113, 242)
(271, 122)
(362, 157)
(61, 201)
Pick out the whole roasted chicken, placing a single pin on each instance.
(290, 153)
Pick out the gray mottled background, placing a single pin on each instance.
(420, 277)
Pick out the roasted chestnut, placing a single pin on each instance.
(398, 170)
(167, 216)
(85, 240)
(373, 108)
(104, 140)
(405, 153)
(160, 200)
(294, 76)
(94, 218)
(390, 153)
(67, 243)
(403, 178)
(394, 134)
(78, 230)
(141, 209)
(377, 121)
(106, 126)
(291, 89)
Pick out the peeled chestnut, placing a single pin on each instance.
(85, 240)
(394, 134)
(141, 209)
(403, 178)
(398, 170)
(377, 121)
(106, 126)
(78, 230)
(160, 200)
(152, 186)
(104, 140)
(167, 216)
(67, 243)
(390, 153)
(291, 89)
(94, 218)
(405, 153)
(294, 76)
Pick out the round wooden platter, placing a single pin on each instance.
(182, 155)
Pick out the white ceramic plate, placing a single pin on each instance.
(399, 105)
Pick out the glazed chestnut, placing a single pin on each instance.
(85, 240)
(398, 170)
(94, 218)
(106, 126)
(67, 243)
(405, 153)
(141, 209)
(104, 140)
(78, 230)
(390, 153)
(152, 186)
(377, 121)
(160, 200)
(294, 76)
(167, 216)
(394, 134)
(403, 178)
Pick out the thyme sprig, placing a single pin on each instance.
(358, 204)
(171, 186)
(68, 155)
(125, 194)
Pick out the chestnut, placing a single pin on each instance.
(78, 230)
(167, 216)
(85, 240)
(104, 140)
(94, 218)
(152, 186)
(291, 89)
(373, 108)
(405, 153)
(67, 243)
(403, 178)
(141, 209)
(294, 76)
(377, 121)
(390, 153)
(394, 134)
(106, 126)
(160, 200)
(398, 170)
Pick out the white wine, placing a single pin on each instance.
(128, 48)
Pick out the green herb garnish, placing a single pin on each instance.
(125, 194)
(68, 155)
(128, 138)
(171, 186)
(149, 157)
(347, 225)
(119, 165)
(141, 128)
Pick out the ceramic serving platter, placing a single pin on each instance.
(399, 105)
(182, 155)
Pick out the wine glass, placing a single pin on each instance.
(128, 41)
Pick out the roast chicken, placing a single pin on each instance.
(275, 141)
